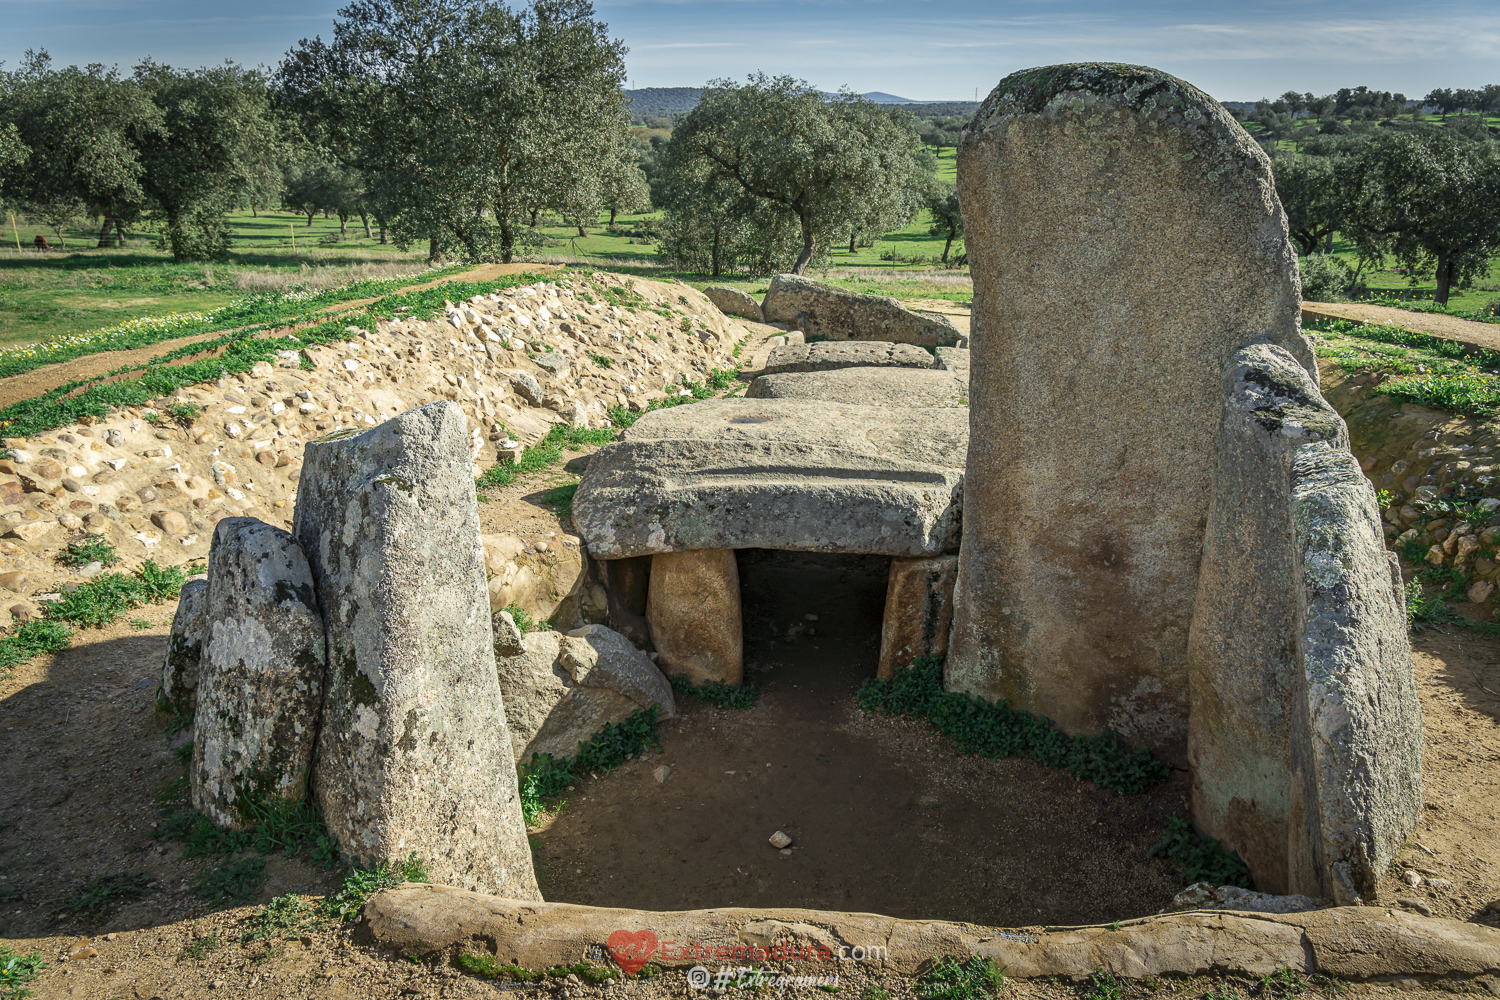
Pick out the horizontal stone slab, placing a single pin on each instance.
(830, 355)
(778, 474)
(899, 387)
(1362, 942)
(821, 310)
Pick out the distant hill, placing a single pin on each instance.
(672, 103)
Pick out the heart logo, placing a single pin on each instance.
(632, 950)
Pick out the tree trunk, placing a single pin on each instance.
(612, 212)
(713, 264)
(807, 246)
(508, 237)
(254, 214)
(120, 232)
(947, 246)
(434, 250)
(343, 224)
(851, 242)
(580, 228)
(534, 213)
(365, 218)
(104, 231)
(1444, 278)
(1328, 243)
(310, 213)
(382, 230)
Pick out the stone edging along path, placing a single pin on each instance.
(1350, 942)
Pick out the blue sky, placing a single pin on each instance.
(920, 49)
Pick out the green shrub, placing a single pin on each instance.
(738, 696)
(1326, 278)
(1201, 859)
(33, 639)
(523, 619)
(994, 729)
(87, 550)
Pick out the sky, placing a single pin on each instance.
(929, 50)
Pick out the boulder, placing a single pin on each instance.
(179, 670)
(550, 584)
(694, 610)
(734, 302)
(261, 679)
(953, 359)
(1094, 416)
(562, 689)
(893, 387)
(820, 310)
(1207, 896)
(414, 755)
(824, 356)
(777, 474)
(918, 612)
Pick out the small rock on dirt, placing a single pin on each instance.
(661, 773)
(780, 840)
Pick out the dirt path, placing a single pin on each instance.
(29, 385)
(1486, 335)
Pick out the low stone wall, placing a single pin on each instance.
(1348, 942)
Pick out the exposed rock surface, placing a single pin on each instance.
(918, 612)
(825, 356)
(1207, 896)
(121, 475)
(694, 610)
(955, 360)
(1346, 942)
(1356, 731)
(893, 387)
(560, 690)
(551, 583)
(1077, 574)
(261, 683)
(734, 302)
(179, 671)
(414, 753)
(820, 310)
(780, 474)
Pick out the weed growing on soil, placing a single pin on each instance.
(951, 978)
(1102, 986)
(105, 889)
(737, 696)
(362, 883)
(232, 882)
(283, 917)
(1201, 859)
(487, 966)
(1283, 983)
(275, 825)
(199, 948)
(16, 971)
(32, 639)
(718, 380)
(543, 455)
(546, 781)
(523, 619)
(997, 730)
(87, 550)
(561, 499)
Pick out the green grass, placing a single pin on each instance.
(546, 780)
(16, 971)
(1415, 367)
(363, 882)
(994, 729)
(543, 455)
(488, 967)
(232, 882)
(1200, 858)
(1103, 986)
(199, 948)
(97, 896)
(736, 696)
(951, 978)
(560, 499)
(274, 825)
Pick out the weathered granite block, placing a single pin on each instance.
(179, 670)
(820, 310)
(918, 612)
(826, 356)
(694, 610)
(893, 387)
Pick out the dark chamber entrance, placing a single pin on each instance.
(885, 815)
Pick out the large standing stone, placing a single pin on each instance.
(694, 610)
(1243, 650)
(560, 690)
(820, 310)
(778, 474)
(893, 387)
(414, 755)
(1125, 240)
(261, 681)
(1356, 728)
(918, 612)
(179, 670)
(831, 356)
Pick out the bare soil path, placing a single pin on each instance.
(29, 385)
(1486, 335)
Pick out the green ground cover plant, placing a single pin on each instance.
(285, 916)
(232, 882)
(363, 882)
(951, 978)
(544, 454)
(1415, 367)
(94, 898)
(546, 780)
(1200, 858)
(997, 730)
(16, 971)
(490, 968)
(717, 693)
(87, 550)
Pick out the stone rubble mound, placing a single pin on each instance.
(516, 361)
